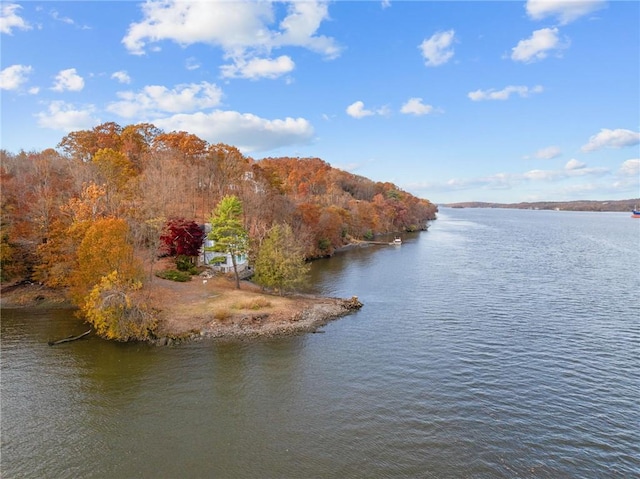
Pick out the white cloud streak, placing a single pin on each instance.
(437, 50)
(503, 181)
(415, 106)
(538, 46)
(157, 99)
(548, 153)
(357, 110)
(630, 168)
(66, 117)
(9, 19)
(256, 68)
(14, 76)
(192, 63)
(248, 132)
(68, 80)
(243, 29)
(505, 93)
(607, 138)
(122, 76)
(564, 11)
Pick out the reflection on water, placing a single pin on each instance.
(500, 343)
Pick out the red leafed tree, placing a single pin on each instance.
(182, 237)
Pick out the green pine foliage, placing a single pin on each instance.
(228, 232)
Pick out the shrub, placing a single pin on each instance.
(324, 244)
(174, 275)
(255, 304)
(221, 314)
(185, 263)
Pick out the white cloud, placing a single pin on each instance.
(357, 110)
(437, 49)
(607, 138)
(414, 106)
(572, 168)
(505, 93)
(56, 16)
(246, 131)
(192, 63)
(256, 68)
(505, 181)
(231, 25)
(574, 164)
(157, 99)
(630, 168)
(538, 46)
(542, 175)
(548, 153)
(68, 80)
(11, 78)
(301, 24)
(66, 117)
(565, 11)
(9, 19)
(122, 76)
(243, 29)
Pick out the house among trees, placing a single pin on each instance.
(221, 262)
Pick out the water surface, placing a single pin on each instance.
(500, 343)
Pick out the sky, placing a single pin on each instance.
(498, 101)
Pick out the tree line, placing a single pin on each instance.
(89, 214)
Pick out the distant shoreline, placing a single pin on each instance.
(579, 205)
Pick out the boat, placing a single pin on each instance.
(635, 213)
(397, 241)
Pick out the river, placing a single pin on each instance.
(499, 344)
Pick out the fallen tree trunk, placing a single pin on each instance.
(69, 339)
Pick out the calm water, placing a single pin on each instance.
(499, 344)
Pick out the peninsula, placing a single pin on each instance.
(209, 309)
(121, 222)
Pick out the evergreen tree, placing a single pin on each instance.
(281, 264)
(228, 232)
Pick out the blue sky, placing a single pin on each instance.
(452, 101)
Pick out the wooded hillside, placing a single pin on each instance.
(143, 176)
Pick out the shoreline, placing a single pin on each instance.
(261, 326)
(208, 310)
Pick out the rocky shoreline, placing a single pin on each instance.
(215, 311)
(258, 325)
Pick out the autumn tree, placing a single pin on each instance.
(137, 141)
(228, 232)
(104, 248)
(115, 170)
(280, 263)
(83, 144)
(115, 310)
(182, 237)
(11, 256)
(57, 257)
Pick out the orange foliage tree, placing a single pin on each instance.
(104, 248)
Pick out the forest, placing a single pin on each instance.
(93, 209)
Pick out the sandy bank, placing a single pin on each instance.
(213, 308)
